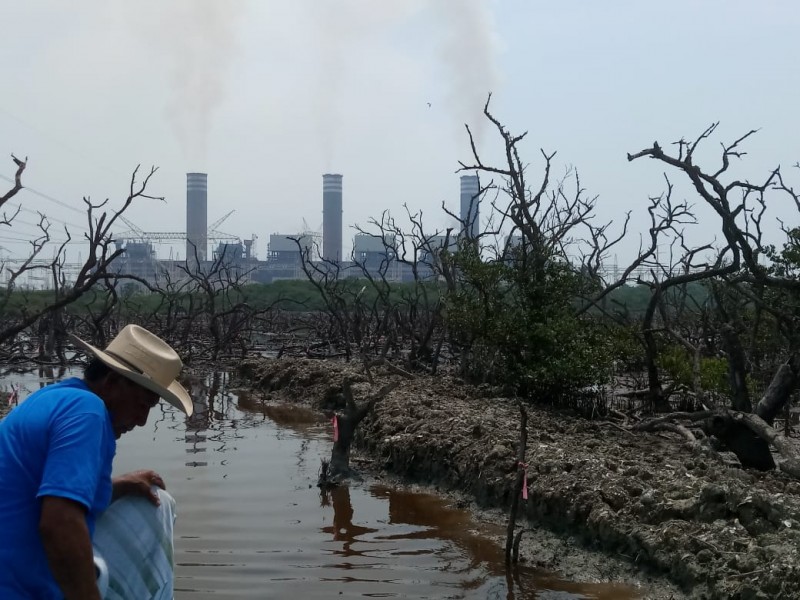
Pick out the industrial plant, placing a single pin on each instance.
(207, 247)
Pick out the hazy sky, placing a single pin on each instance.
(267, 95)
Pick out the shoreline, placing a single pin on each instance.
(666, 516)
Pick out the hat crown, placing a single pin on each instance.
(146, 353)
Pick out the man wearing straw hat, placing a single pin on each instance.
(56, 452)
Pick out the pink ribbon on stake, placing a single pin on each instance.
(335, 422)
(524, 480)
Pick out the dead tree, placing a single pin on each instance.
(353, 313)
(96, 267)
(411, 308)
(216, 301)
(740, 207)
(347, 422)
(716, 421)
(21, 164)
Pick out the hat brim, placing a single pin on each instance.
(175, 393)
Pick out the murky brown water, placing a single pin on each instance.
(252, 524)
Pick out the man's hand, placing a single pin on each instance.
(137, 483)
(65, 536)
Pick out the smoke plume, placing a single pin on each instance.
(196, 40)
(464, 35)
(467, 51)
(341, 27)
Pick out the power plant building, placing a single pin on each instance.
(372, 251)
(285, 249)
(138, 258)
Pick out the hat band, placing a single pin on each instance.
(127, 363)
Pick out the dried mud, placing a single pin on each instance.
(645, 500)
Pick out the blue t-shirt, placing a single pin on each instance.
(59, 442)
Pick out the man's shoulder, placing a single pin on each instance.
(72, 393)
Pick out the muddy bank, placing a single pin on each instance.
(715, 531)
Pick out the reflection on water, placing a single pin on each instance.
(342, 528)
(252, 523)
(27, 380)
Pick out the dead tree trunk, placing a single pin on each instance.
(728, 426)
(347, 422)
(518, 488)
(751, 449)
(783, 383)
(737, 369)
(658, 403)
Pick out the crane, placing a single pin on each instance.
(220, 221)
(137, 233)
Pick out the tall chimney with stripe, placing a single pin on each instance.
(332, 217)
(470, 191)
(196, 216)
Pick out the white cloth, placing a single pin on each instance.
(133, 549)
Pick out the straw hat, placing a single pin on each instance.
(146, 360)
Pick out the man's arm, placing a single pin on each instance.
(62, 527)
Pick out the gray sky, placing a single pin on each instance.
(266, 95)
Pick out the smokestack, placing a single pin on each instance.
(196, 216)
(470, 189)
(332, 217)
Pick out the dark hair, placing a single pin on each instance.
(95, 370)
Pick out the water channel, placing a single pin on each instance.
(252, 523)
